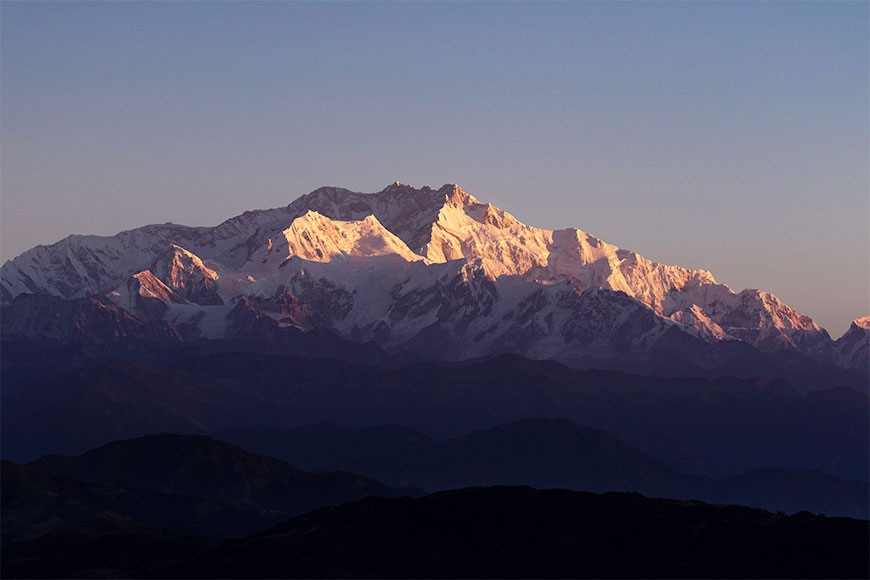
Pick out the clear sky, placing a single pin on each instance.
(728, 136)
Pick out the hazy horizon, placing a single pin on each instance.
(724, 136)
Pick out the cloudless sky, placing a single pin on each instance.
(728, 136)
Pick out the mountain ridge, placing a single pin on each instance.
(778, 426)
(435, 271)
(544, 454)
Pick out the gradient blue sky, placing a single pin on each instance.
(729, 136)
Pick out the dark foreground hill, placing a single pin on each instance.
(513, 532)
(36, 503)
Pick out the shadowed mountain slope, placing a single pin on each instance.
(534, 452)
(542, 453)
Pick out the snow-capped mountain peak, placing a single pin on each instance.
(417, 268)
(853, 348)
(186, 275)
(317, 238)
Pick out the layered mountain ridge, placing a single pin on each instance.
(431, 271)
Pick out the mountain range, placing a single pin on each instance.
(413, 274)
(716, 427)
(545, 454)
(170, 387)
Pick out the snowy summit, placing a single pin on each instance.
(429, 270)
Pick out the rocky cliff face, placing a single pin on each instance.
(852, 350)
